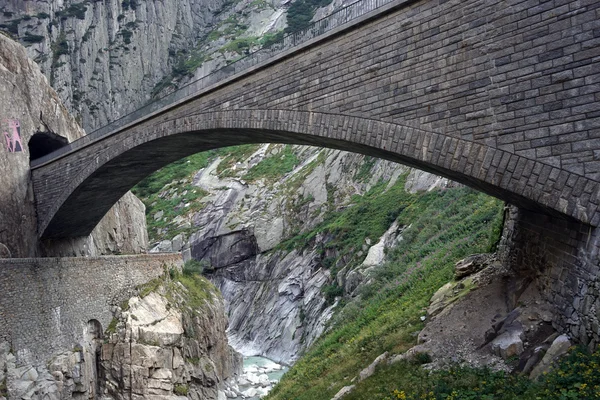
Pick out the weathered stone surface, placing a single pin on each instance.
(483, 142)
(370, 370)
(471, 265)
(30, 311)
(160, 344)
(563, 255)
(559, 347)
(508, 344)
(343, 391)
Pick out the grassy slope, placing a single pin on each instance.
(444, 227)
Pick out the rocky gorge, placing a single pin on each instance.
(298, 240)
(275, 290)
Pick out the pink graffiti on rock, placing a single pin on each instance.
(13, 136)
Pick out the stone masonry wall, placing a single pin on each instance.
(562, 256)
(502, 95)
(46, 303)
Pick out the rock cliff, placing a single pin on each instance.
(107, 58)
(169, 343)
(166, 343)
(255, 206)
(33, 120)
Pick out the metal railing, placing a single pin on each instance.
(291, 40)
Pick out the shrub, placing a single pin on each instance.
(301, 13)
(30, 38)
(193, 267)
(181, 390)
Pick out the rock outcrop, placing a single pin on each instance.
(28, 108)
(108, 58)
(169, 344)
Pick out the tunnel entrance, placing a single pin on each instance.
(42, 143)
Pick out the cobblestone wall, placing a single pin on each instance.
(563, 257)
(45, 303)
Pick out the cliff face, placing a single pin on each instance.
(254, 224)
(28, 107)
(169, 343)
(104, 58)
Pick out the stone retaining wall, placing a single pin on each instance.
(46, 303)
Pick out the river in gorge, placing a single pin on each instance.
(259, 376)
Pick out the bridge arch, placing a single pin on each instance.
(97, 175)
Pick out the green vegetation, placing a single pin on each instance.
(3, 388)
(173, 172)
(76, 10)
(60, 47)
(575, 377)
(270, 39)
(150, 287)
(232, 156)
(30, 38)
(274, 166)
(364, 172)
(127, 4)
(193, 267)
(126, 34)
(181, 390)
(442, 227)
(11, 27)
(199, 290)
(112, 327)
(240, 46)
(301, 13)
(197, 293)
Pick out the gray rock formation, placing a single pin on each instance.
(162, 347)
(108, 58)
(274, 293)
(158, 347)
(28, 107)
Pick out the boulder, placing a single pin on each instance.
(343, 391)
(370, 370)
(559, 347)
(508, 344)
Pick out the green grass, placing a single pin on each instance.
(150, 188)
(444, 227)
(274, 166)
(181, 390)
(575, 377)
(232, 155)
(198, 292)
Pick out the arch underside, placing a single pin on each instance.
(137, 152)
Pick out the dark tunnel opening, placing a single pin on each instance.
(43, 143)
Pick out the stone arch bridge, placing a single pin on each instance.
(503, 96)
